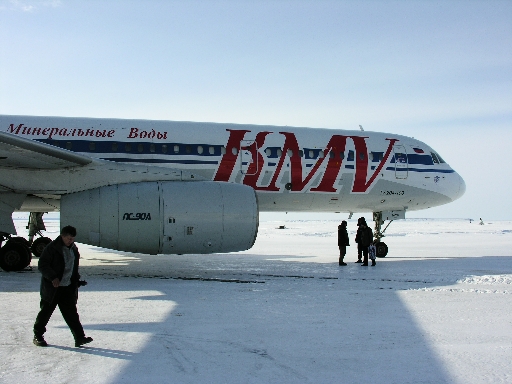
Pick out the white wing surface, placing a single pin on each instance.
(18, 152)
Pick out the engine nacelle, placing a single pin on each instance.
(170, 217)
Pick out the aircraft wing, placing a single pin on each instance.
(29, 167)
(18, 152)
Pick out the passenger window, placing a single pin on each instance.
(152, 148)
(114, 147)
(289, 153)
(311, 154)
(128, 147)
(223, 150)
(361, 156)
(376, 156)
(279, 152)
(69, 145)
(92, 146)
(434, 157)
(268, 152)
(188, 149)
(140, 147)
(301, 153)
(342, 155)
(211, 150)
(200, 149)
(350, 156)
(234, 151)
(176, 149)
(321, 154)
(164, 148)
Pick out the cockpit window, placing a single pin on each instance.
(436, 158)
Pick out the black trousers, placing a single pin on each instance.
(65, 298)
(359, 251)
(365, 255)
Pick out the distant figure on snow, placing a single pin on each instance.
(481, 222)
(343, 241)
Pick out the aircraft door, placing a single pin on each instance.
(249, 157)
(401, 164)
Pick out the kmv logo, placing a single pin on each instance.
(300, 179)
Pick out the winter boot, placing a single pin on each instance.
(82, 340)
(40, 341)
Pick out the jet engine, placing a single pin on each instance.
(172, 217)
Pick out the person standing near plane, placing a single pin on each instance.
(360, 221)
(58, 265)
(366, 241)
(343, 241)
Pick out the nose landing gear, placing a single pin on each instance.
(381, 249)
(35, 226)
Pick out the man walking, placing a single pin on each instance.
(58, 265)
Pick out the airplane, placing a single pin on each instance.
(175, 187)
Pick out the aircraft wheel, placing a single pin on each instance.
(21, 240)
(14, 256)
(39, 244)
(381, 249)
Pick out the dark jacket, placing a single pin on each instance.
(358, 233)
(342, 236)
(51, 265)
(366, 236)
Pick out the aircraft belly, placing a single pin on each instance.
(284, 202)
(384, 196)
(391, 195)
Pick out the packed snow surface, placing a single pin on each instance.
(437, 309)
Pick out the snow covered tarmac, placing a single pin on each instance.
(436, 310)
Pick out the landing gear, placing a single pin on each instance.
(380, 246)
(17, 252)
(381, 249)
(15, 255)
(35, 226)
(39, 244)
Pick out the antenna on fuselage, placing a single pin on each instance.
(361, 127)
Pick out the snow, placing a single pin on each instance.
(436, 310)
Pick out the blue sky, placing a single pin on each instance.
(438, 71)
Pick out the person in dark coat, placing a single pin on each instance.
(366, 240)
(58, 265)
(343, 241)
(360, 222)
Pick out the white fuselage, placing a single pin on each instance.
(291, 169)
